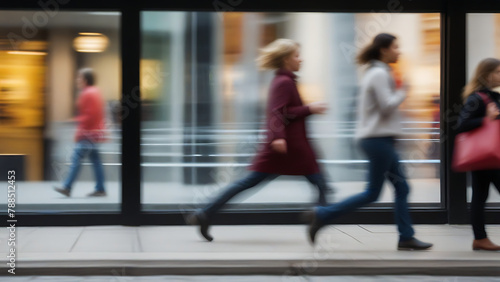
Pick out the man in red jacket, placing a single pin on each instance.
(89, 133)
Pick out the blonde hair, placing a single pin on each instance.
(480, 78)
(272, 56)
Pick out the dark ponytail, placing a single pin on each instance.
(372, 51)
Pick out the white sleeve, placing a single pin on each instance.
(387, 99)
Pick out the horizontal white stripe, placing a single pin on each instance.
(246, 164)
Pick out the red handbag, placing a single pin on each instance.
(478, 149)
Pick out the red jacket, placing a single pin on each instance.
(286, 119)
(90, 115)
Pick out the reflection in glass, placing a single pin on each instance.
(204, 100)
(38, 67)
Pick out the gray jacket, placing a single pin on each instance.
(378, 102)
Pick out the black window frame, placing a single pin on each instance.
(453, 77)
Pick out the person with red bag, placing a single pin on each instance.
(480, 103)
(287, 150)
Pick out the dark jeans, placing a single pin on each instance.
(384, 163)
(252, 180)
(82, 149)
(481, 180)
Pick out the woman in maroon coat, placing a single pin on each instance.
(287, 150)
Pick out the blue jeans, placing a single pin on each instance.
(85, 148)
(252, 180)
(384, 163)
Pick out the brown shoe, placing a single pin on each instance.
(63, 191)
(484, 245)
(97, 194)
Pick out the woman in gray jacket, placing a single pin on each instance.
(379, 123)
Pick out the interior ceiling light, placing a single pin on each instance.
(90, 42)
(35, 53)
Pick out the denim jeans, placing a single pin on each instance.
(383, 163)
(255, 178)
(85, 148)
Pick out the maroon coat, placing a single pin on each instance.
(286, 119)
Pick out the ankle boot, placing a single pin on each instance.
(201, 219)
(484, 245)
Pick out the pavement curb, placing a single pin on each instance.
(261, 267)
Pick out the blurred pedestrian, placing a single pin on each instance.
(89, 134)
(287, 150)
(379, 123)
(475, 110)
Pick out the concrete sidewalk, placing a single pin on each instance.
(246, 250)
